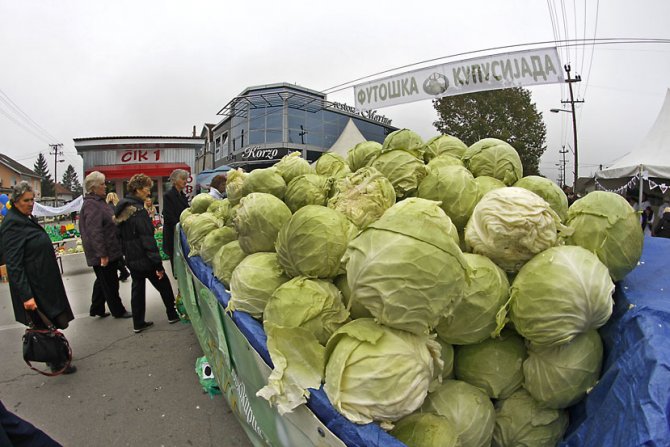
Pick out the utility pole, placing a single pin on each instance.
(56, 148)
(563, 163)
(572, 103)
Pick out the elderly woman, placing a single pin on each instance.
(102, 246)
(174, 202)
(141, 252)
(113, 200)
(34, 277)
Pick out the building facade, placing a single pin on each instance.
(13, 172)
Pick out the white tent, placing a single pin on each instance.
(349, 138)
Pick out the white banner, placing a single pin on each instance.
(519, 68)
(40, 210)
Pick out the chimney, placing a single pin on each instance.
(194, 131)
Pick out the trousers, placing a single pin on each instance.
(138, 295)
(106, 289)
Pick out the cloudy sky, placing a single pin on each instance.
(91, 68)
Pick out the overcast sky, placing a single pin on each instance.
(93, 68)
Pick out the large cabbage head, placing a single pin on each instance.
(486, 184)
(313, 304)
(201, 202)
(253, 282)
(561, 293)
(214, 241)
(356, 310)
(376, 373)
(510, 226)
(405, 268)
(235, 185)
(362, 196)
(221, 209)
(443, 145)
(456, 188)
(403, 170)
(494, 365)
(291, 166)
(473, 318)
(185, 214)
(187, 221)
(604, 223)
(426, 430)
(198, 228)
(331, 164)
(266, 180)
(226, 259)
(548, 190)
(308, 189)
(467, 408)
(494, 158)
(404, 140)
(560, 376)
(443, 160)
(362, 154)
(312, 242)
(520, 420)
(258, 221)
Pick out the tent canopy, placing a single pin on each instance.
(349, 138)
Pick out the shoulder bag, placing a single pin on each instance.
(46, 345)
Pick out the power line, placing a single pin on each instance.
(24, 116)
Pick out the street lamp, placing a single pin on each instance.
(574, 140)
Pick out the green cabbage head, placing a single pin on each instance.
(403, 170)
(404, 140)
(468, 409)
(226, 259)
(258, 221)
(456, 188)
(362, 154)
(201, 202)
(604, 223)
(548, 190)
(560, 376)
(561, 293)
(331, 164)
(222, 210)
(522, 421)
(291, 166)
(376, 373)
(198, 228)
(356, 310)
(443, 145)
(313, 241)
(214, 241)
(267, 180)
(235, 185)
(185, 214)
(442, 161)
(362, 196)
(510, 226)
(494, 158)
(426, 430)
(486, 184)
(308, 189)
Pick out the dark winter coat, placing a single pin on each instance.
(174, 202)
(32, 267)
(99, 233)
(137, 236)
(663, 226)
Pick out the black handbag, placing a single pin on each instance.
(46, 345)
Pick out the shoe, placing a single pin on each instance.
(126, 314)
(145, 325)
(71, 369)
(102, 315)
(174, 320)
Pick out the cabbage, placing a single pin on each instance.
(560, 376)
(292, 166)
(356, 310)
(486, 184)
(447, 356)
(548, 190)
(442, 161)
(522, 421)
(313, 241)
(404, 140)
(312, 304)
(184, 215)
(510, 226)
(443, 145)
(456, 188)
(201, 202)
(604, 223)
(308, 189)
(362, 154)
(266, 180)
(331, 164)
(187, 222)
(494, 158)
(426, 430)
(363, 196)
(494, 365)
(214, 241)
(423, 209)
(467, 408)
(253, 282)
(473, 319)
(376, 373)
(405, 268)
(198, 228)
(258, 221)
(225, 261)
(560, 293)
(403, 170)
(235, 185)
(222, 210)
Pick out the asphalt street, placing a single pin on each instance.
(129, 390)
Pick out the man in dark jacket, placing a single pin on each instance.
(102, 246)
(663, 226)
(141, 252)
(174, 202)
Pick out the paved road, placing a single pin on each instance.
(129, 390)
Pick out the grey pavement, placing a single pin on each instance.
(129, 390)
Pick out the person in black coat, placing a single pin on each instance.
(102, 247)
(141, 252)
(34, 277)
(174, 202)
(112, 200)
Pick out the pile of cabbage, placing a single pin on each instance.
(426, 286)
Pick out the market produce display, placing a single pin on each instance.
(467, 306)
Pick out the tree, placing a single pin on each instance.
(41, 169)
(71, 181)
(508, 115)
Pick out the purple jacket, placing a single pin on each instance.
(99, 234)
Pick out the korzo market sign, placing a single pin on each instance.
(520, 68)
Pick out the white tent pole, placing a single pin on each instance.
(639, 201)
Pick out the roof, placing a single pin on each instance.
(138, 137)
(349, 138)
(17, 167)
(60, 189)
